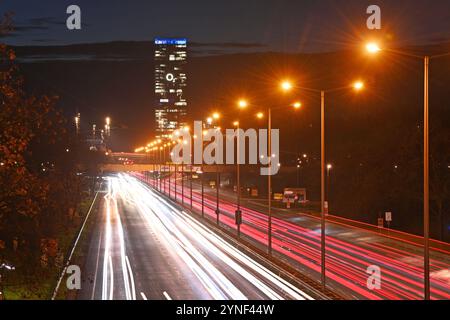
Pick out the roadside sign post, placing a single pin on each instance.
(388, 218)
(380, 223)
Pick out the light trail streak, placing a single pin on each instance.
(190, 240)
(348, 262)
(114, 227)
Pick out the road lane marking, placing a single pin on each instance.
(144, 297)
(96, 265)
(167, 295)
(111, 292)
(130, 272)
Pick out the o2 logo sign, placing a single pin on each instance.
(170, 77)
(73, 22)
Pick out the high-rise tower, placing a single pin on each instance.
(170, 85)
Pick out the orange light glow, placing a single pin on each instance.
(286, 85)
(297, 105)
(373, 47)
(358, 85)
(242, 104)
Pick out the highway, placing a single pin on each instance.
(143, 247)
(350, 251)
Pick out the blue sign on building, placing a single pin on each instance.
(181, 41)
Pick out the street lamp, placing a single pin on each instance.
(357, 86)
(285, 86)
(242, 104)
(374, 48)
(297, 105)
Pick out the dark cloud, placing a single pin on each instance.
(228, 45)
(38, 24)
(45, 40)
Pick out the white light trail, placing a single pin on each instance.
(191, 240)
(112, 215)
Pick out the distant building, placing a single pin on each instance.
(170, 85)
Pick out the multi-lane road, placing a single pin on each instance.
(142, 246)
(350, 251)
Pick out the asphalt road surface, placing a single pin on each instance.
(144, 247)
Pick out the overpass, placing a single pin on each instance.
(171, 167)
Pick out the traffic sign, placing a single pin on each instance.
(388, 216)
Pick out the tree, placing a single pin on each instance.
(38, 182)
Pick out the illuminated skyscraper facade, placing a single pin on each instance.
(170, 85)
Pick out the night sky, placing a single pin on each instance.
(91, 79)
(291, 25)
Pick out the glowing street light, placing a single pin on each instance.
(358, 85)
(286, 85)
(242, 104)
(236, 123)
(372, 47)
(260, 115)
(297, 105)
(216, 115)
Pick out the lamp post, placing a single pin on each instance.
(238, 213)
(285, 86)
(164, 167)
(175, 182)
(182, 183)
(203, 178)
(357, 86)
(217, 194)
(242, 104)
(374, 48)
(209, 121)
(269, 178)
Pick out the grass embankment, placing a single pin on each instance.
(38, 283)
(80, 253)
